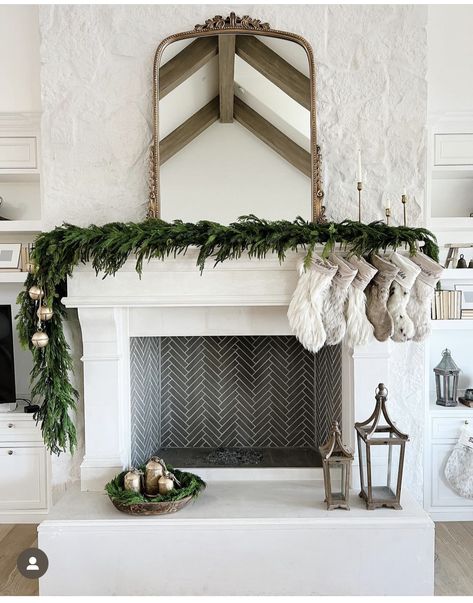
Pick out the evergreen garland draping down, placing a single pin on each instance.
(107, 247)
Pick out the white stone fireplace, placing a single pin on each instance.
(263, 512)
(245, 297)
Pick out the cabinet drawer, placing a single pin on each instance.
(442, 493)
(19, 430)
(454, 149)
(23, 477)
(447, 428)
(18, 153)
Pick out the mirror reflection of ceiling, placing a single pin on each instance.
(234, 122)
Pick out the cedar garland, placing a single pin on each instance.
(58, 252)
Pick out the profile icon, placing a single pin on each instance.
(32, 567)
(32, 563)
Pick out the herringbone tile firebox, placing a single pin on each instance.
(231, 391)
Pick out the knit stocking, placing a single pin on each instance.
(422, 293)
(399, 297)
(359, 329)
(333, 314)
(377, 295)
(305, 310)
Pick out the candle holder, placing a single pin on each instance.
(388, 214)
(359, 187)
(404, 203)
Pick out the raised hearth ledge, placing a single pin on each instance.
(238, 297)
(239, 539)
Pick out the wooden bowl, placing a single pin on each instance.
(152, 508)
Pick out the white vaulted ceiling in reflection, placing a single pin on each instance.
(234, 123)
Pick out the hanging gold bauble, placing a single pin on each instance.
(30, 267)
(44, 313)
(166, 483)
(36, 292)
(40, 339)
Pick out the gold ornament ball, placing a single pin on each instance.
(36, 292)
(30, 267)
(44, 313)
(165, 483)
(40, 339)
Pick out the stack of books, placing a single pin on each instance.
(467, 313)
(447, 305)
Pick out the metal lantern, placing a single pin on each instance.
(336, 462)
(381, 451)
(446, 380)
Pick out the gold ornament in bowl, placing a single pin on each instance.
(35, 292)
(165, 483)
(40, 339)
(154, 469)
(132, 480)
(44, 313)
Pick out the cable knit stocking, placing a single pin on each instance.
(422, 293)
(333, 314)
(305, 309)
(377, 297)
(359, 328)
(399, 297)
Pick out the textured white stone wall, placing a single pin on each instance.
(96, 95)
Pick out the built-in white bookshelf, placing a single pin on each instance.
(20, 174)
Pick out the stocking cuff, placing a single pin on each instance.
(345, 273)
(408, 271)
(365, 272)
(387, 271)
(323, 266)
(430, 270)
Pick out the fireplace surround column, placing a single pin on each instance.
(106, 394)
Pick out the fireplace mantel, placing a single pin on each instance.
(238, 297)
(178, 282)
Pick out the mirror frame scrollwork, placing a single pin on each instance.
(235, 25)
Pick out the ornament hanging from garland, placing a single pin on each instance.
(40, 339)
(36, 292)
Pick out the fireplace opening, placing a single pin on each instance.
(232, 401)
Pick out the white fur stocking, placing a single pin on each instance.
(359, 329)
(305, 309)
(399, 297)
(422, 293)
(333, 314)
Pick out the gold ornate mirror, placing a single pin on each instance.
(234, 124)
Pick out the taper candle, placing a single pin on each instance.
(359, 173)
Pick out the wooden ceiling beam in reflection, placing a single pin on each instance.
(187, 62)
(270, 64)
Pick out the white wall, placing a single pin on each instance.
(19, 58)
(450, 58)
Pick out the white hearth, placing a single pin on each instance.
(239, 297)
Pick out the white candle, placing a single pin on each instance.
(404, 192)
(359, 174)
(388, 202)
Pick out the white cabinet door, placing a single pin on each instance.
(454, 149)
(18, 153)
(22, 477)
(442, 493)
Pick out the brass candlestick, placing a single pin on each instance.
(359, 187)
(404, 202)
(388, 214)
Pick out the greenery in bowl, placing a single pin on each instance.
(190, 485)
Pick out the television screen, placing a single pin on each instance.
(7, 370)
